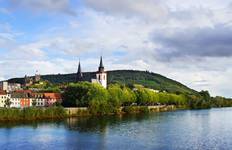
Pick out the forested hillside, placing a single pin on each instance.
(128, 77)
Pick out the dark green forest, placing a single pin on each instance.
(126, 77)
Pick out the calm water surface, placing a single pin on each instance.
(198, 129)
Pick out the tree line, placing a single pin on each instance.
(103, 101)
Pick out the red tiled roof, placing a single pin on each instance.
(2, 92)
(23, 91)
(52, 95)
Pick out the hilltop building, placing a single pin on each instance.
(31, 80)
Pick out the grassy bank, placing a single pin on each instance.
(31, 114)
(27, 114)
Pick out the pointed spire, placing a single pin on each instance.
(79, 67)
(101, 63)
(101, 66)
(79, 73)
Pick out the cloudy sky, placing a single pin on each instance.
(189, 41)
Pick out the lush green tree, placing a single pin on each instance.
(75, 94)
(115, 95)
(128, 96)
(7, 102)
(99, 102)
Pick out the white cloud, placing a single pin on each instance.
(148, 9)
(123, 31)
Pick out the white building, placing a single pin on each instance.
(13, 87)
(3, 97)
(9, 87)
(4, 85)
(39, 99)
(15, 102)
(101, 75)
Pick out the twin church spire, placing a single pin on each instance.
(79, 76)
(101, 66)
(101, 75)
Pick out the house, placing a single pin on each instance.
(9, 87)
(39, 99)
(4, 85)
(20, 99)
(52, 98)
(3, 97)
(13, 87)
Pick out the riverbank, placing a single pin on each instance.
(84, 111)
(31, 114)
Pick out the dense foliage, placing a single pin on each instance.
(105, 101)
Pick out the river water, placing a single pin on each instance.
(187, 129)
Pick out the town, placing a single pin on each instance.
(16, 95)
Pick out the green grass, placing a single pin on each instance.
(13, 114)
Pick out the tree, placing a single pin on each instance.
(116, 95)
(98, 98)
(34, 102)
(128, 96)
(8, 102)
(205, 95)
(75, 94)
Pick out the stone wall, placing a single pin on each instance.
(83, 111)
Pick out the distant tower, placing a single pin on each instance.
(79, 76)
(28, 81)
(37, 76)
(101, 75)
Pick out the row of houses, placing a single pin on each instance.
(28, 98)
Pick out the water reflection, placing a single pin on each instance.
(100, 123)
(33, 124)
(201, 129)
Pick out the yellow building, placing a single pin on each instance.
(3, 97)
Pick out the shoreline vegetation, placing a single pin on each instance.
(56, 113)
(101, 101)
(87, 99)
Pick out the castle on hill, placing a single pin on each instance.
(100, 77)
(28, 81)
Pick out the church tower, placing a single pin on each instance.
(101, 75)
(79, 76)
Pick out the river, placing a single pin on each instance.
(185, 129)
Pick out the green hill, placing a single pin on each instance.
(129, 77)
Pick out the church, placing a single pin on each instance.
(100, 75)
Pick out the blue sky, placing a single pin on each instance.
(189, 41)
